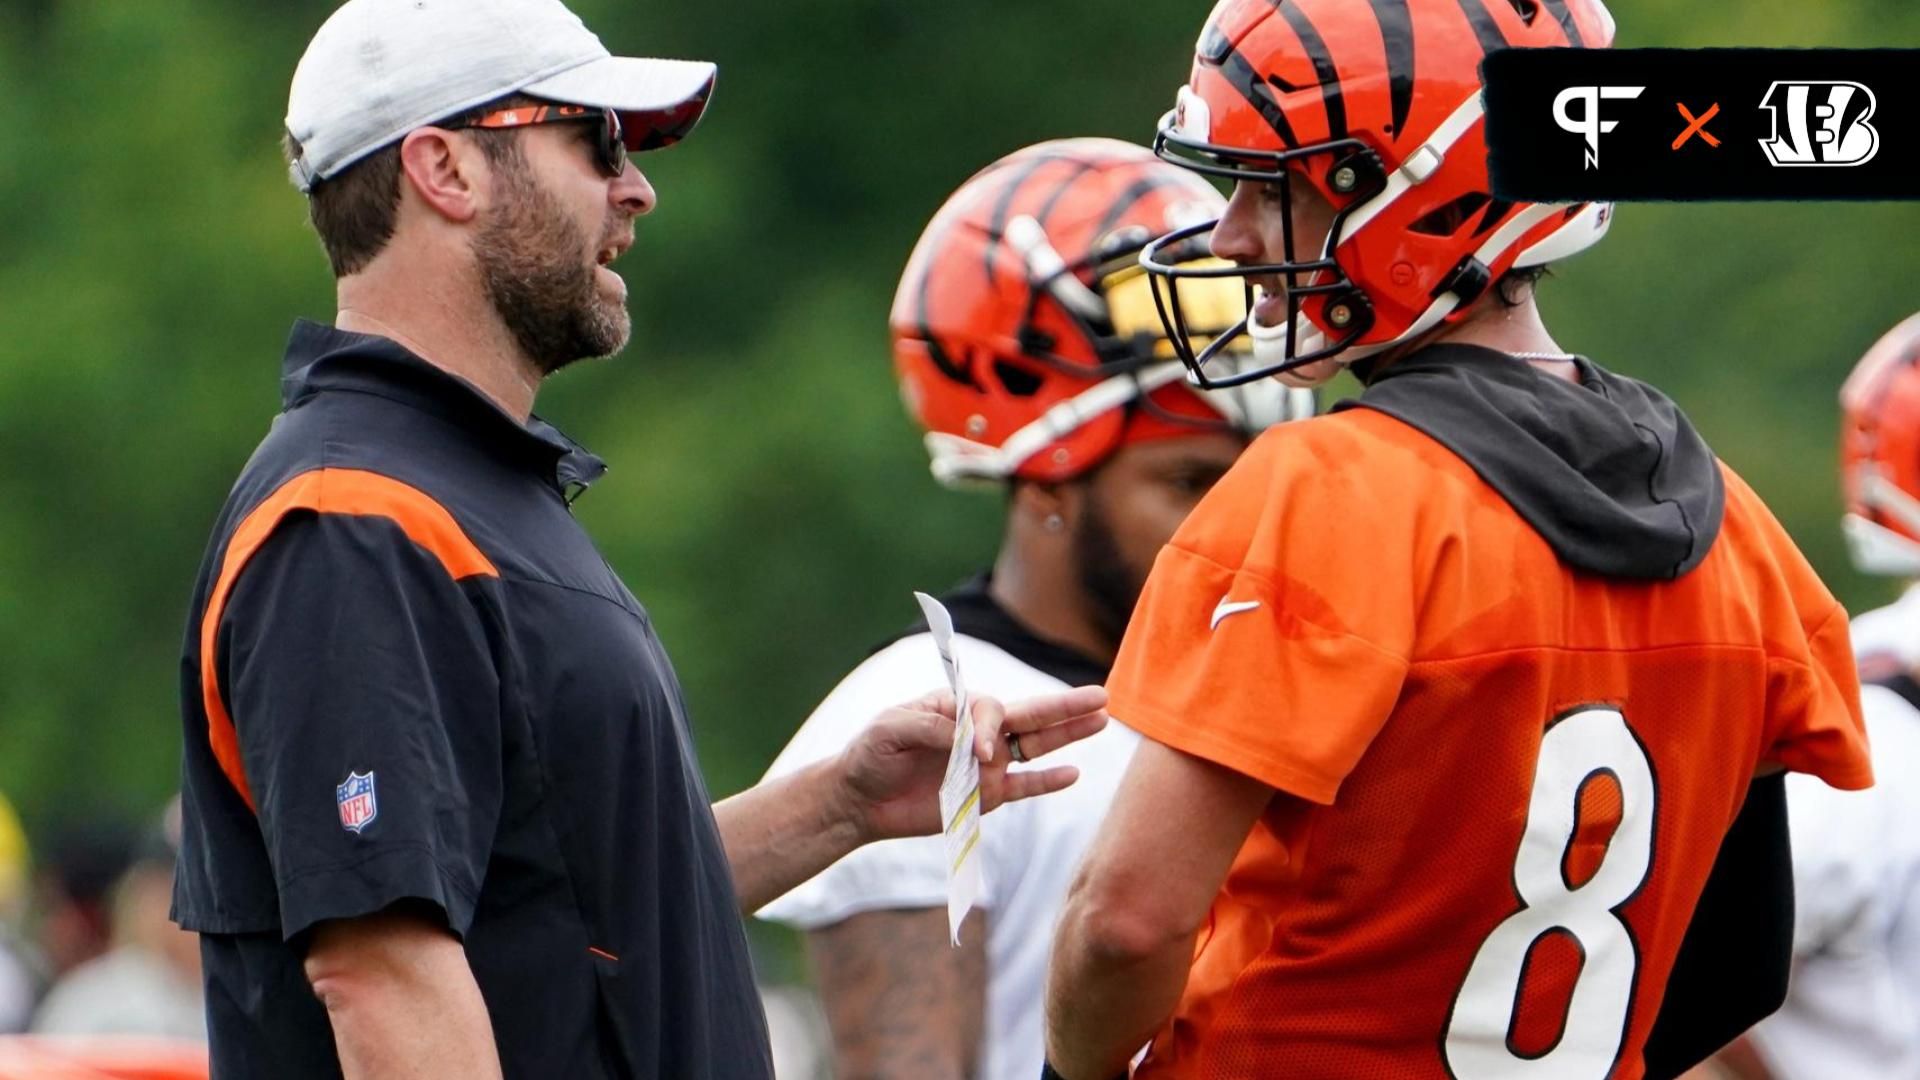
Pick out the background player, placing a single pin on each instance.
(1027, 345)
(1880, 472)
(1853, 1005)
(1449, 699)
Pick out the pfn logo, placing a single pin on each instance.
(1589, 125)
(1826, 124)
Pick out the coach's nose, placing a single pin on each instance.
(632, 193)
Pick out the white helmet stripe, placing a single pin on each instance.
(1419, 165)
(1581, 232)
(1876, 549)
(956, 459)
(1880, 493)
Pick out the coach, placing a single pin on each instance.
(443, 815)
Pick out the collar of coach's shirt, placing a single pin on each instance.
(322, 358)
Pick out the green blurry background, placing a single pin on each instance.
(768, 499)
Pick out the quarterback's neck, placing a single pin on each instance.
(1493, 324)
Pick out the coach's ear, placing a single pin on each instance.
(443, 172)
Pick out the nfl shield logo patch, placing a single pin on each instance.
(358, 806)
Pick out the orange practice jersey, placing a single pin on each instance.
(1511, 779)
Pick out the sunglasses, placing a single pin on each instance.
(609, 148)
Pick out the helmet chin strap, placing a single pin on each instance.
(1270, 342)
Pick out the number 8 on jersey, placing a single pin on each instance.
(1581, 747)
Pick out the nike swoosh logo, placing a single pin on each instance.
(1225, 609)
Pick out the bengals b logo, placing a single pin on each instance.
(1820, 123)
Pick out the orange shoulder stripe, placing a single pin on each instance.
(326, 491)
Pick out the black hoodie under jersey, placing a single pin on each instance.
(1608, 470)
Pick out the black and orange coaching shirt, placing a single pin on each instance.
(1510, 778)
(409, 677)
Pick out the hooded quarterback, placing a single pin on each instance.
(1449, 698)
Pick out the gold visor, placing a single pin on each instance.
(1211, 306)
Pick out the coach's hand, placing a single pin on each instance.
(890, 776)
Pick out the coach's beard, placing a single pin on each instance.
(538, 271)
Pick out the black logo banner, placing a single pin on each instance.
(1568, 125)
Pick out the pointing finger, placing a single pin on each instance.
(1039, 712)
(1034, 744)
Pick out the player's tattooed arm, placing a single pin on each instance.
(901, 1002)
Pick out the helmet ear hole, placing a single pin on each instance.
(1452, 217)
(1526, 9)
(1018, 381)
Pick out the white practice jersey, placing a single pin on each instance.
(1887, 639)
(1853, 1000)
(1031, 848)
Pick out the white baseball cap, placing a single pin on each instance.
(378, 69)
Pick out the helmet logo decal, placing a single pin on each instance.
(1191, 116)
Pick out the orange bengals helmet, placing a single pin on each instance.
(1880, 454)
(1376, 104)
(1024, 332)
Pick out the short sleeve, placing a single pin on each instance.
(365, 701)
(1814, 723)
(1260, 642)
